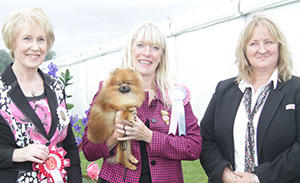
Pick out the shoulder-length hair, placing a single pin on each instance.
(32, 15)
(284, 61)
(149, 32)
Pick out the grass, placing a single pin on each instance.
(192, 171)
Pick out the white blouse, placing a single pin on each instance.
(241, 120)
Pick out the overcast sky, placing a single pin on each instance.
(79, 24)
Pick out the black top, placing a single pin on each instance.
(145, 175)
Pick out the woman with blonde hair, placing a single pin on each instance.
(250, 129)
(36, 141)
(156, 142)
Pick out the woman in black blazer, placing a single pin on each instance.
(251, 128)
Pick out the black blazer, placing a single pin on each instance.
(8, 169)
(278, 133)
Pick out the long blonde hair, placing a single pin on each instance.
(284, 61)
(149, 32)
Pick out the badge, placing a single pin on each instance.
(165, 116)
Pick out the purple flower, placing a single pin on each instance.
(74, 119)
(84, 121)
(78, 140)
(77, 128)
(52, 69)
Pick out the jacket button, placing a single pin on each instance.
(153, 162)
(153, 120)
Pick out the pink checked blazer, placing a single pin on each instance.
(164, 154)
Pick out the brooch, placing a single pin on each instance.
(165, 116)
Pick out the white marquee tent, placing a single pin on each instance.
(202, 47)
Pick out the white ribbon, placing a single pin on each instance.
(55, 172)
(178, 117)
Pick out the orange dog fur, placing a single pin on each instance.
(123, 90)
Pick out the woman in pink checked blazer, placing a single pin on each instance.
(166, 130)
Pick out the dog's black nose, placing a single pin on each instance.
(124, 89)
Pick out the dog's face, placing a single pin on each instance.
(124, 80)
(125, 85)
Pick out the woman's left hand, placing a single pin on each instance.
(137, 131)
(245, 177)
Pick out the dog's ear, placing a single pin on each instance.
(114, 71)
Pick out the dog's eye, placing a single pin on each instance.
(128, 82)
(119, 83)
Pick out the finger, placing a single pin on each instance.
(120, 131)
(119, 126)
(127, 123)
(37, 160)
(118, 116)
(125, 138)
(35, 154)
(44, 155)
(41, 155)
(240, 174)
(137, 119)
(43, 149)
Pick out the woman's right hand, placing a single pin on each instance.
(229, 176)
(37, 153)
(112, 140)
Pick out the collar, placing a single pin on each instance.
(9, 77)
(158, 93)
(274, 78)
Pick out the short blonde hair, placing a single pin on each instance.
(149, 32)
(284, 61)
(34, 15)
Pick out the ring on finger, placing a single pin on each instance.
(131, 130)
(124, 127)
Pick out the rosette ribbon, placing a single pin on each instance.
(180, 96)
(52, 170)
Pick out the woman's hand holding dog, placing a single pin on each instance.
(138, 131)
(112, 140)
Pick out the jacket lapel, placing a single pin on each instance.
(233, 98)
(52, 102)
(272, 103)
(18, 97)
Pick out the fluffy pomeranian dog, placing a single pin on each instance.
(123, 90)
